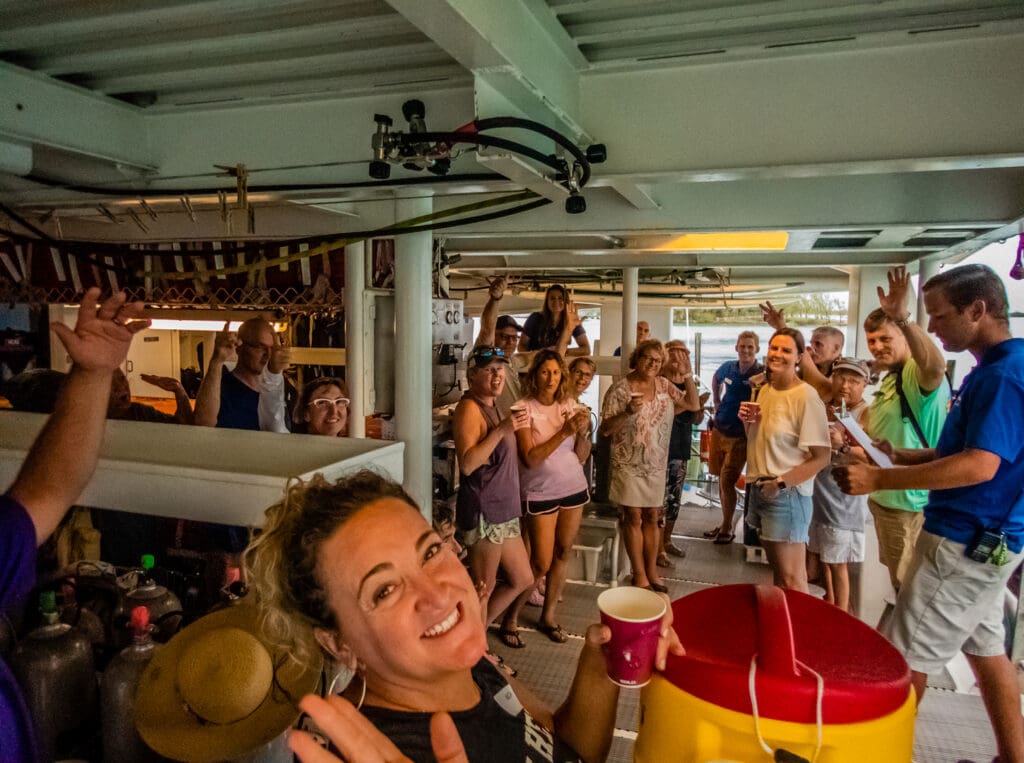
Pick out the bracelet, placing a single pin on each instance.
(901, 324)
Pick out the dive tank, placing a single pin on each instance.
(54, 666)
(164, 607)
(121, 742)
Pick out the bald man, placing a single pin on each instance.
(250, 396)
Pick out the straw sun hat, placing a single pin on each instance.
(218, 690)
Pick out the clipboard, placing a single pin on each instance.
(850, 425)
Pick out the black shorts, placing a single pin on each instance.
(539, 508)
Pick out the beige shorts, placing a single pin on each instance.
(897, 532)
(496, 533)
(949, 603)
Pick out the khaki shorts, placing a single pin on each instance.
(949, 603)
(727, 457)
(897, 532)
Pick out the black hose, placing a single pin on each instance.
(529, 124)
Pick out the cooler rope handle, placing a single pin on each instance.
(752, 686)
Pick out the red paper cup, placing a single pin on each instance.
(634, 616)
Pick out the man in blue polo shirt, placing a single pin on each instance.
(974, 519)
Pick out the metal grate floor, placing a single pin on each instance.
(950, 726)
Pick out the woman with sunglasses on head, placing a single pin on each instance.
(357, 563)
(787, 445)
(487, 507)
(552, 485)
(637, 415)
(556, 325)
(322, 408)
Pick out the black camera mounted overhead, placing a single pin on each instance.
(420, 149)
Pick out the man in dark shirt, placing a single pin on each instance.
(730, 386)
(232, 399)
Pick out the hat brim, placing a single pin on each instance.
(172, 730)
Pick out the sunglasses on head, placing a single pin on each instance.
(485, 355)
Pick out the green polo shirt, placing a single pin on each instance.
(885, 422)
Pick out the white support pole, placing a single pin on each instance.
(853, 323)
(355, 342)
(630, 285)
(869, 278)
(413, 318)
(928, 269)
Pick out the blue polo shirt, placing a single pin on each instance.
(737, 390)
(987, 414)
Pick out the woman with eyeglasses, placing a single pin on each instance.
(322, 408)
(556, 325)
(487, 507)
(356, 564)
(552, 486)
(637, 414)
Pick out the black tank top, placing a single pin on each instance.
(497, 730)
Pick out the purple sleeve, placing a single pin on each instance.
(17, 553)
(531, 327)
(579, 331)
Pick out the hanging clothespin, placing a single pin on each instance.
(109, 215)
(137, 220)
(223, 199)
(187, 203)
(146, 208)
(252, 219)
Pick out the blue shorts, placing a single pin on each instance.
(784, 519)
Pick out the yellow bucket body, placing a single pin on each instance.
(677, 726)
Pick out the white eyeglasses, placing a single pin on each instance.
(325, 403)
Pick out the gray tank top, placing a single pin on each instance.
(493, 489)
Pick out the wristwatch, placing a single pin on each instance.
(901, 324)
(781, 483)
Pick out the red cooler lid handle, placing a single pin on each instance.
(775, 647)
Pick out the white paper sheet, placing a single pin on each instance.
(862, 438)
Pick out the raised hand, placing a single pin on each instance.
(166, 383)
(773, 317)
(496, 288)
(102, 334)
(359, 741)
(225, 344)
(280, 355)
(572, 315)
(895, 304)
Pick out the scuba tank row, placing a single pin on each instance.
(56, 663)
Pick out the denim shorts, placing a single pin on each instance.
(784, 519)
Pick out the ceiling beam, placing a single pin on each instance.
(570, 260)
(39, 110)
(523, 56)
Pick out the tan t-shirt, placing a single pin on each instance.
(792, 421)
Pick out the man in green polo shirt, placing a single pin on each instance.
(905, 351)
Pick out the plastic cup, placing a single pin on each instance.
(749, 410)
(634, 616)
(521, 419)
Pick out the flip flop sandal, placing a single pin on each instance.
(724, 539)
(659, 587)
(663, 561)
(674, 550)
(713, 533)
(511, 639)
(554, 632)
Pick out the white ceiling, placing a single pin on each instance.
(872, 132)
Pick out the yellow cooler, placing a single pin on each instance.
(826, 687)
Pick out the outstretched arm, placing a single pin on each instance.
(183, 414)
(489, 317)
(931, 365)
(208, 397)
(64, 455)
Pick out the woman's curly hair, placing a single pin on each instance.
(284, 561)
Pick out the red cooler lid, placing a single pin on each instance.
(722, 628)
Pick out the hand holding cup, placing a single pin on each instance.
(750, 412)
(520, 416)
(636, 402)
(640, 625)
